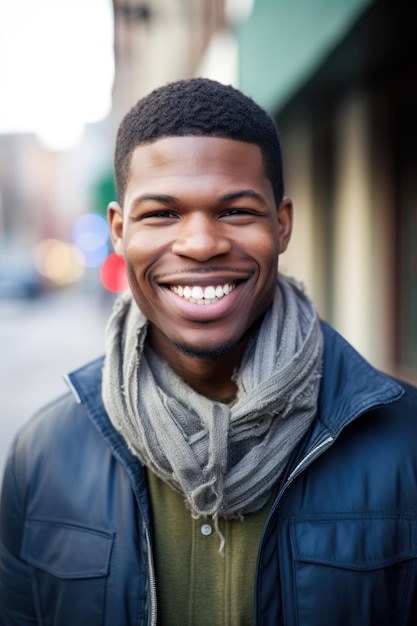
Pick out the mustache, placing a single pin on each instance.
(207, 269)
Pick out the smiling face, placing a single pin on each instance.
(200, 233)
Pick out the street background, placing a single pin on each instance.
(41, 340)
(338, 76)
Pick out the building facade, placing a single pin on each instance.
(339, 77)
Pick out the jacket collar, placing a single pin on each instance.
(85, 385)
(350, 385)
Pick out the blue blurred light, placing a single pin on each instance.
(91, 223)
(94, 258)
(90, 234)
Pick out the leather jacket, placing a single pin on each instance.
(339, 546)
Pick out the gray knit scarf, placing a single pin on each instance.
(224, 460)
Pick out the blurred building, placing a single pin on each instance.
(340, 78)
(157, 41)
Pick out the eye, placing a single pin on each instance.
(236, 212)
(157, 217)
(160, 214)
(239, 216)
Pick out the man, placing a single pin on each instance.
(233, 460)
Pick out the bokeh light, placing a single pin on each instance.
(113, 274)
(90, 234)
(59, 262)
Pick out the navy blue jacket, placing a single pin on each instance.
(339, 547)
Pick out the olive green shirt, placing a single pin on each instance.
(196, 585)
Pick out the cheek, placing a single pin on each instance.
(136, 265)
(140, 258)
(139, 253)
(263, 247)
(140, 290)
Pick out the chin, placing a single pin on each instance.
(213, 354)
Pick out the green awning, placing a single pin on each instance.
(283, 42)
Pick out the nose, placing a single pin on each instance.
(201, 238)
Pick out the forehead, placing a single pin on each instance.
(188, 157)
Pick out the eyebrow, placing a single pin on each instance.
(155, 197)
(233, 195)
(244, 193)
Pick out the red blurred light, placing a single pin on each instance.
(113, 274)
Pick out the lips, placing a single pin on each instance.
(203, 295)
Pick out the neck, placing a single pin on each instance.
(210, 378)
(207, 375)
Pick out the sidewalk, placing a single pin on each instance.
(41, 340)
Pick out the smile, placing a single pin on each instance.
(203, 295)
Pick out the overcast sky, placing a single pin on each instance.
(56, 66)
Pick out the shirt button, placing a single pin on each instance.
(206, 530)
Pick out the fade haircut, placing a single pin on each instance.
(198, 107)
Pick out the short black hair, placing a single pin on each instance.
(199, 107)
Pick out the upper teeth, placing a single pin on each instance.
(203, 295)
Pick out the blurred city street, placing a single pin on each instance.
(348, 123)
(41, 339)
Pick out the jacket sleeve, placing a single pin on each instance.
(16, 598)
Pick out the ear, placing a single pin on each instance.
(115, 220)
(285, 220)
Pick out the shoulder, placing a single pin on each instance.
(56, 437)
(60, 414)
(339, 351)
(59, 436)
(66, 415)
(352, 387)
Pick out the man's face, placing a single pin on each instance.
(200, 234)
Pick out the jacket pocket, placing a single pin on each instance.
(354, 568)
(70, 568)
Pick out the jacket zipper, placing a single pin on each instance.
(152, 582)
(309, 458)
(305, 462)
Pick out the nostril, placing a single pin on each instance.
(201, 246)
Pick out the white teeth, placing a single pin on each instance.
(200, 295)
(209, 293)
(197, 293)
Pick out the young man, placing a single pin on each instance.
(232, 460)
